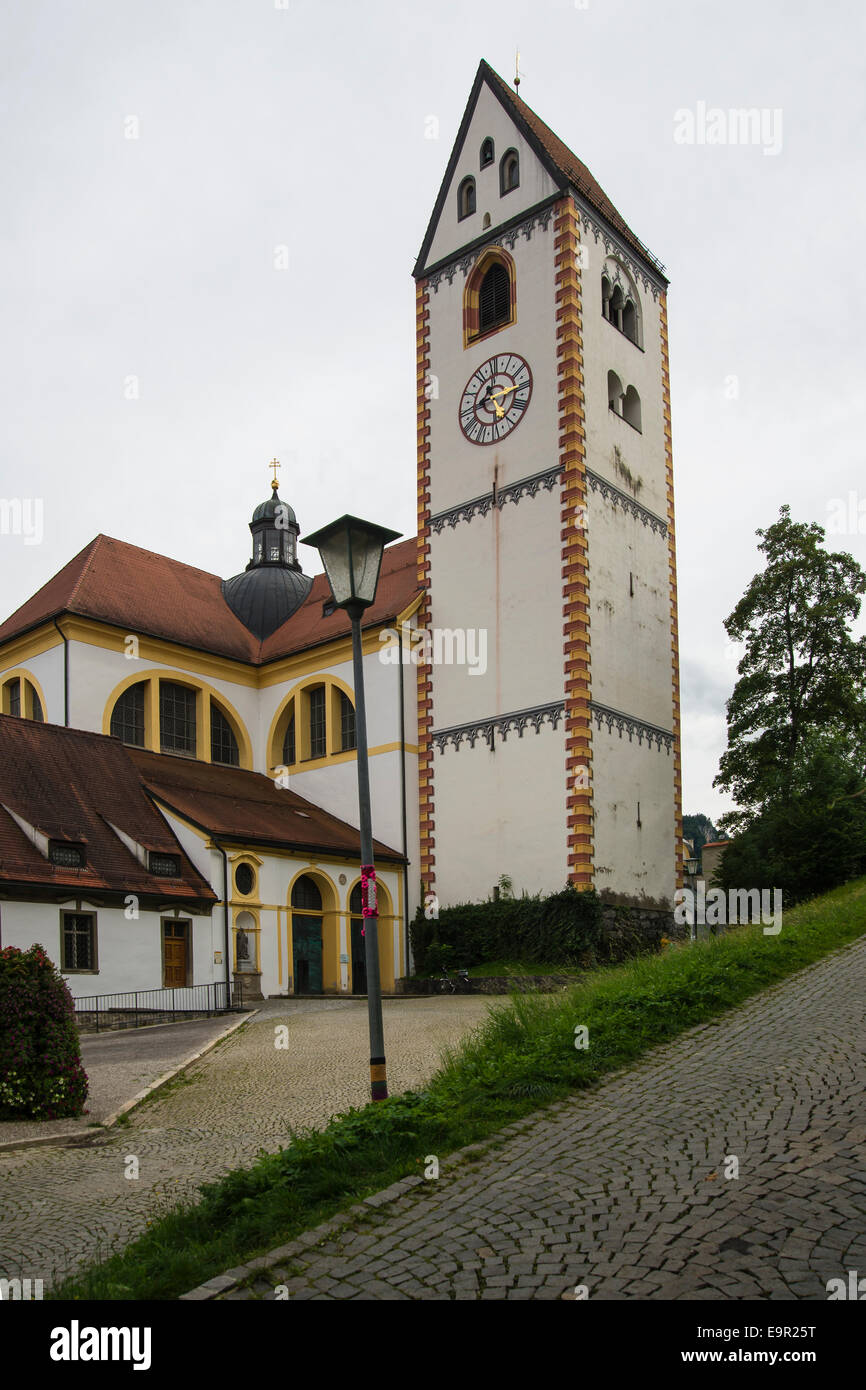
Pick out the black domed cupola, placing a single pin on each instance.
(275, 533)
(273, 585)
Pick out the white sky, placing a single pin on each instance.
(304, 126)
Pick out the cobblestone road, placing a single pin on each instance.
(627, 1191)
(59, 1206)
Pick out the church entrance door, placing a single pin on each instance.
(307, 936)
(174, 940)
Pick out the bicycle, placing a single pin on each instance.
(459, 981)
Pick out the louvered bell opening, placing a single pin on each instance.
(494, 299)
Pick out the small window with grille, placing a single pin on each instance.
(165, 865)
(68, 856)
(78, 941)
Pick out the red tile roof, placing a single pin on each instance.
(146, 593)
(71, 785)
(568, 164)
(247, 806)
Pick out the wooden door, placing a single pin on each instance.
(174, 948)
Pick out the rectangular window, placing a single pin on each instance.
(176, 718)
(318, 740)
(79, 941)
(347, 723)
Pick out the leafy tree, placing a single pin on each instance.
(802, 678)
(809, 842)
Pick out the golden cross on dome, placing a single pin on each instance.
(273, 464)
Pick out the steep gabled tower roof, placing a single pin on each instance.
(561, 163)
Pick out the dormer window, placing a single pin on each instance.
(67, 855)
(487, 153)
(328, 607)
(509, 172)
(466, 199)
(164, 865)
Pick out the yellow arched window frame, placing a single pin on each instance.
(206, 697)
(22, 695)
(472, 331)
(317, 704)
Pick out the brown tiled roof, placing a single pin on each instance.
(71, 785)
(143, 592)
(247, 806)
(568, 164)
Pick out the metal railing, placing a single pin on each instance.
(98, 1013)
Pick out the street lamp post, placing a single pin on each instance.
(351, 551)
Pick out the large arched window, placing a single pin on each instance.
(509, 172)
(466, 198)
(177, 718)
(223, 744)
(19, 697)
(127, 717)
(317, 721)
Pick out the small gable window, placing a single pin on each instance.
(466, 199)
(509, 171)
(487, 153)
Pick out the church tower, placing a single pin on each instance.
(549, 701)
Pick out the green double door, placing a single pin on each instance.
(307, 954)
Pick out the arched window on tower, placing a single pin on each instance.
(466, 198)
(620, 302)
(509, 172)
(631, 408)
(494, 298)
(487, 153)
(615, 393)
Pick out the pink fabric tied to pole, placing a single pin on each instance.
(369, 904)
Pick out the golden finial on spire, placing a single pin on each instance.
(274, 482)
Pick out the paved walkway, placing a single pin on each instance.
(628, 1192)
(59, 1206)
(119, 1067)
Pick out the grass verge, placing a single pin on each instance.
(523, 1056)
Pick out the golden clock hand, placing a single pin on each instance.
(504, 391)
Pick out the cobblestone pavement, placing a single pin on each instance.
(59, 1206)
(627, 1192)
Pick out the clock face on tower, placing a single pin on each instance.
(495, 398)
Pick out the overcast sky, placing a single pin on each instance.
(301, 125)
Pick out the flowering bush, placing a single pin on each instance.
(41, 1076)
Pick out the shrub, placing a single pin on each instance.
(41, 1076)
(562, 929)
